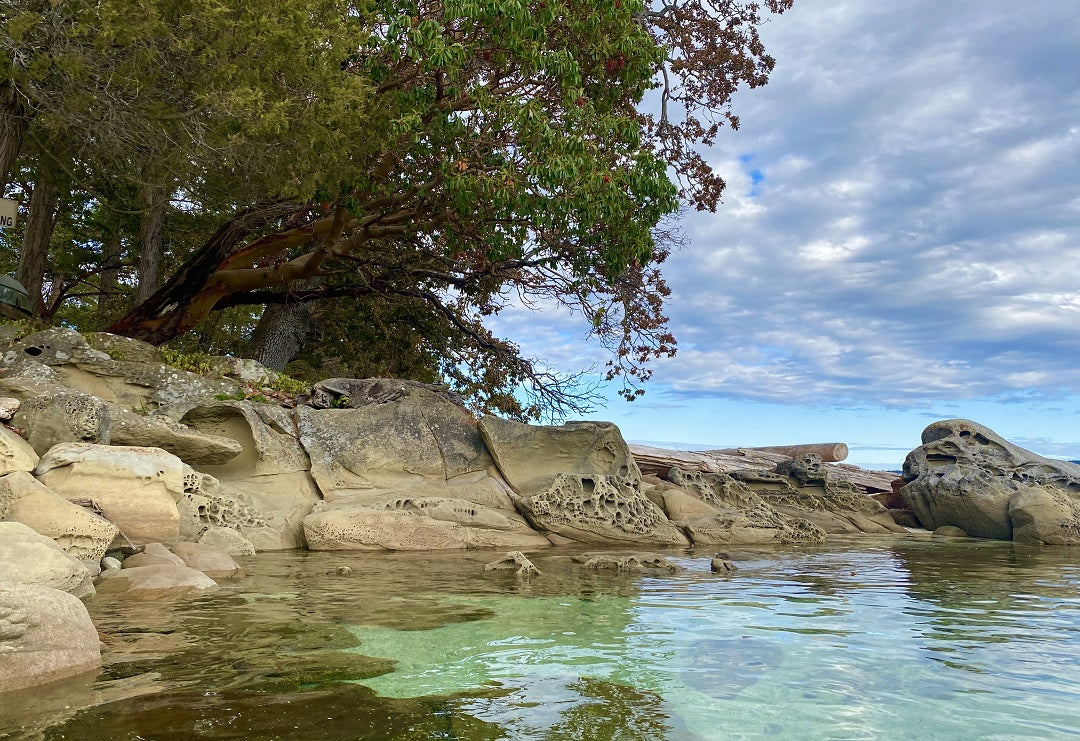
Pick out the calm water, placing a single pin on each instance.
(890, 638)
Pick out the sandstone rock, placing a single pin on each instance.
(27, 557)
(52, 347)
(634, 562)
(78, 531)
(45, 635)
(15, 453)
(407, 449)
(214, 563)
(599, 509)
(806, 488)
(266, 491)
(64, 417)
(353, 393)
(905, 518)
(8, 407)
(109, 562)
(342, 526)
(118, 347)
(966, 475)
(191, 446)
(721, 564)
(1045, 516)
(949, 531)
(516, 561)
(531, 456)
(742, 517)
(134, 488)
(153, 554)
(244, 369)
(153, 579)
(228, 541)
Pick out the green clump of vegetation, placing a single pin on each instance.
(342, 402)
(288, 385)
(195, 362)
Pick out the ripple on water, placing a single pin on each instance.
(899, 639)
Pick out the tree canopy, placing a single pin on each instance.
(397, 171)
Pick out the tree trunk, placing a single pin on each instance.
(34, 254)
(110, 279)
(280, 335)
(14, 121)
(186, 298)
(151, 247)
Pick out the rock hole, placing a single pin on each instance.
(33, 351)
(588, 486)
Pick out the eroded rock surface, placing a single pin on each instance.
(15, 453)
(134, 488)
(405, 469)
(45, 635)
(80, 532)
(28, 557)
(966, 475)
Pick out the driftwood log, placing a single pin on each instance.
(658, 461)
(829, 452)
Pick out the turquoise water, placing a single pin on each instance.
(874, 638)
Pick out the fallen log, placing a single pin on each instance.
(829, 452)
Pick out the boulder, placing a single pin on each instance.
(742, 517)
(150, 580)
(638, 562)
(156, 431)
(531, 456)
(264, 492)
(577, 481)
(27, 557)
(228, 541)
(213, 562)
(15, 453)
(78, 531)
(405, 455)
(153, 554)
(64, 417)
(45, 635)
(966, 475)
(134, 488)
(52, 347)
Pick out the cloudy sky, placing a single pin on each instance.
(899, 242)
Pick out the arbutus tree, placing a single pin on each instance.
(506, 155)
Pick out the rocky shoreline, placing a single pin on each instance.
(123, 474)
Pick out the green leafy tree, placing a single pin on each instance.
(427, 161)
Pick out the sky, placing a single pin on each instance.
(899, 241)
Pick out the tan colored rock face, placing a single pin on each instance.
(81, 533)
(134, 488)
(360, 528)
(966, 475)
(27, 557)
(45, 635)
(15, 453)
(599, 509)
(409, 465)
(190, 446)
(742, 516)
(531, 456)
(266, 490)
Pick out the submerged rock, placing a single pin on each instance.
(515, 560)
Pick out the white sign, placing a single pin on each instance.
(8, 210)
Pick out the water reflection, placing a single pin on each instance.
(870, 638)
